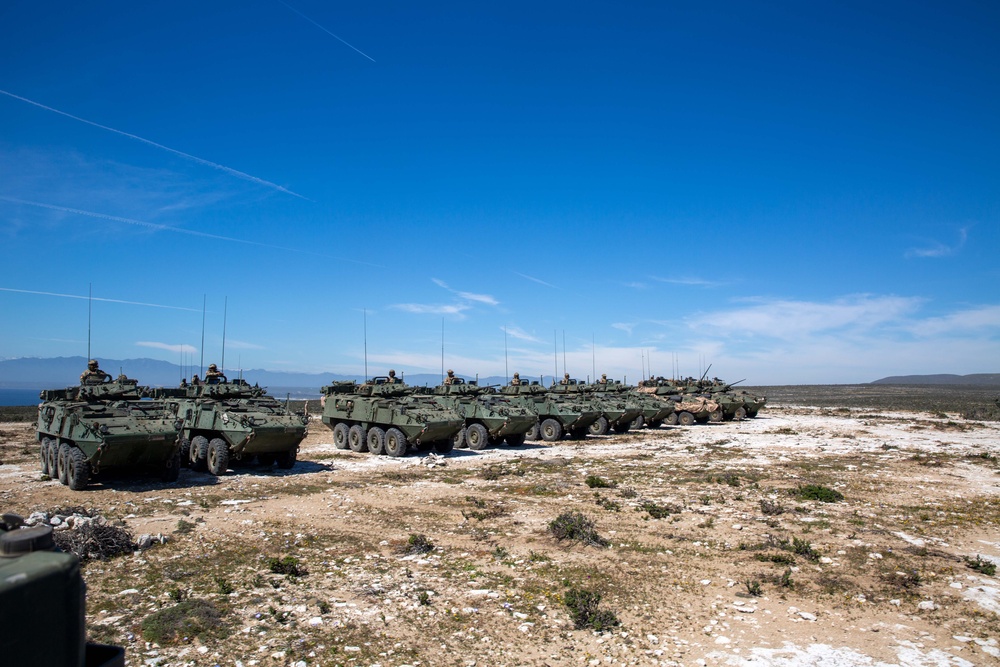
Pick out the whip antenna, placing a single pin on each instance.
(90, 302)
(365, 311)
(225, 310)
(204, 301)
(506, 369)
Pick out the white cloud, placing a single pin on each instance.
(243, 345)
(691, 281)
(521, 334)
(479, 298)
(170, 347)
(982, 319)
(431, 309)
(535, 280)
(624, 326)
(932, 248)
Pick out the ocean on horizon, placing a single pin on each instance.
(10, 397)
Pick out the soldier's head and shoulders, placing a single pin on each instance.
(516, 381)
(93, 374)
(451, 377)
(392, 377)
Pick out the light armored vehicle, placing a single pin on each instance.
(105, 424)
(385, 417)
(230, 420)
(690, 404)
(653, 412)
(616, 413)
(490, 417)
(557, 414)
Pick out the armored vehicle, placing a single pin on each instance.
(616, 413)
(690, 404)
(386, 417)
(734, 404)
(653, 412)
(490, 417)
(230, 420)
(557, 414)
(105, 424)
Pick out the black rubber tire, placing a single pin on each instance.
(599, 427)
(199, 453)
(685, 418)
(444, 446)
(172, 471)
(218, 457)
(286, 459)
(552, 431)
(752, 413)
(621, 427)
(740, 414)
(458, 440)
(376, 440)
(63, 458)
(638, 422)
(514, 439)
(716, 415)
(673, 418)
(356, 439)
(395, 443)
(53, 454)
(43, 454)
(533, 433)
(340, 435)
(578, 433)
(266, 459)
(655, 423)
(477, 437)
(77, 469)
(185, 452)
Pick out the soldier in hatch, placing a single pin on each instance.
(565, 379)
(93, 374)
(516, 381)
(604, 379)
(214, 375)
(451, 377)
(392, 377)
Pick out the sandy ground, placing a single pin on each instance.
(737, 571)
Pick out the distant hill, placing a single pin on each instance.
(978, 379)
(36, 374)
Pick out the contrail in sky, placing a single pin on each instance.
(326, 31)
(179, 230)
(207, 163)
(97, 298)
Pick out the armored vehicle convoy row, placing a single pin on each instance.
(118, 424)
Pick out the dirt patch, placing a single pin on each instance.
(709, 550)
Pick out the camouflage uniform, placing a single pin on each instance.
(451, 377)
(516, 381)
(565, 379)
(604, 379)
(93, 374)
(392, 378)
(214, 375)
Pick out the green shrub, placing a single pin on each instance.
(584, 609)
(804, 548)
(753, 587)
(817, 492)
(595, 482)
(288, 565)
(979, 564)
(576, 526)
(656, 510)
(184, 622)
(419, 544)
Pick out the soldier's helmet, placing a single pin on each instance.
(516, 375)
(451, 372)
(212, 368)
(392, 373)
(566, 376)
(92, 364)
(604, 376)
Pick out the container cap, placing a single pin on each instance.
(15, 543)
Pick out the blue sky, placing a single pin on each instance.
(793, 192)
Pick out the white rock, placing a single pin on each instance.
(895, 603)
(825, 560)
(352, 649)
(128, 591)
(927, 605)
(722, 640)
(706, 582)
(807, 616)
(737, 526)
(315, 620)
(204, 649)
(955, 584)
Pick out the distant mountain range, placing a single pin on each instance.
(979, 379)
(37, 374)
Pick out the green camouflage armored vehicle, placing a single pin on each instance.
(230, 420)
(490, 417)
(105, 424)
(735, 404)
(616, 413)
(557, 414)
(653, 412)
(384, 416)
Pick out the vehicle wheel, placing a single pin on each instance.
(716, 415)
(199, 453)
(532, 433)
(395, 442)
(53, 454)
(638, 422)
(172, 471)
(356, 439)
(218, 457)
(266, 460)
(655, 423)
(376, 440)
(286, 459)
(685, 418)
(477, 436)
(444, 446)
(551, 430)
(514, 439)
(578, 433)
(741, 413)
(185, 452)
(340, 435)
(672, 418)
(752, 413)
(43, 454)
(495, 440)
(600, 427)
(621, 428)
(62, 458)
(77, 469)
(458, 440)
